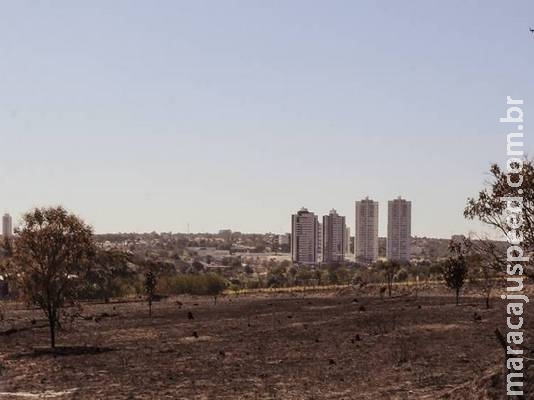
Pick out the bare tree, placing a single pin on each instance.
(51, 253)
(484, 260)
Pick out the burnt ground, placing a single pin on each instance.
(341, 344)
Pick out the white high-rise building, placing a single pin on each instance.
(334, 232)
(366, 235)
(304, 237)
(319, 241)
(7, 226)
(399, 229)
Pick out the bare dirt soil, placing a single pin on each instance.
(343, 344)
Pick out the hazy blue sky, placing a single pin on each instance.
(148, 115)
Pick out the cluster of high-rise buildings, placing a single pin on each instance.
(314, 241)
(7, 226)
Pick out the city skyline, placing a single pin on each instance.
(381, 232)
(161, 119)
(329, 241)
(249, 199)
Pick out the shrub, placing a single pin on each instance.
(402, 275)
(202, 285)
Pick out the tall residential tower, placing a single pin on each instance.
(399, 229)
(334, 242)
(304, 237)
(366, 234)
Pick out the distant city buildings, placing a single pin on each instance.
(334, 233)
(304, 237)
(399, 229)
(7, 226)
(313, 242)
(366, 233)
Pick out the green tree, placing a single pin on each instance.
(52, 251)
(215, 285)
(108, 276)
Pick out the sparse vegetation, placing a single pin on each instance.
(398, 341)
(202, 284)
(150, 288)
(390, 269)
(483, 276)
(455, 270)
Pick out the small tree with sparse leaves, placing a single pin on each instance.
(389, 269)
(150, 288)
(52, 253)
(455, 269)
(215, 285)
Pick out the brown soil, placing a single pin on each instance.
(267, 346)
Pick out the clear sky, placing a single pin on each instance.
(142, 116)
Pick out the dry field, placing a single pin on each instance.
(342, 344)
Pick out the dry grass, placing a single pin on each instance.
(263, 346)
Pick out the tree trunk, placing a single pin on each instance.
(52, 323)
(457, 296)
(150, 308)
(488, 305)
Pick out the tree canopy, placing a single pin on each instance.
(489, 208)
(51, 254)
